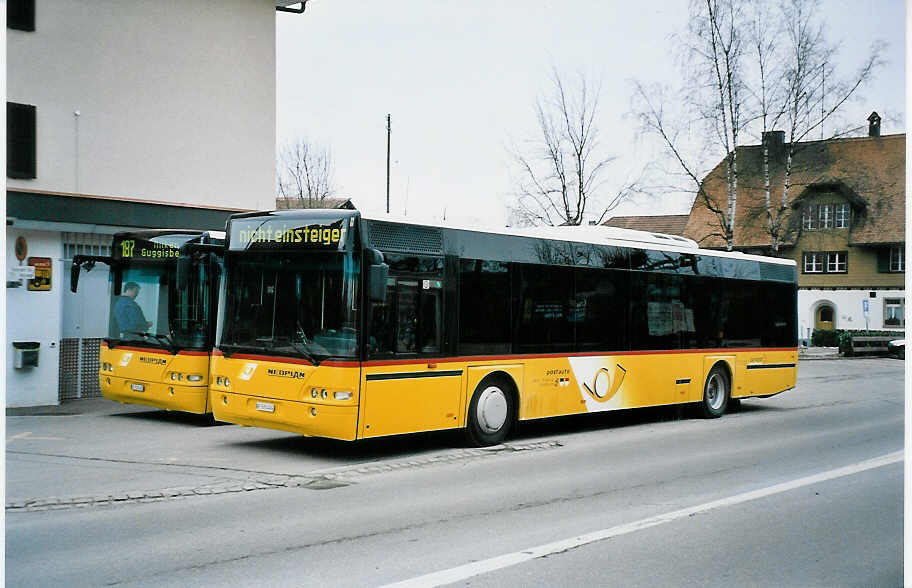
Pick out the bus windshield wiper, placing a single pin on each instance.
(163, 339)
(303, 350)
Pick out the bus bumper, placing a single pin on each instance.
(167, 396)
(304, 418)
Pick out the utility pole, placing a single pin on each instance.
(388, 129)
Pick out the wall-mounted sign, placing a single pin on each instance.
(42, 280)
(21, 248)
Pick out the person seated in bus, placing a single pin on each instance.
(131, 321)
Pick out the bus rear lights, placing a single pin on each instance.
(342, 395)
(177, 376)
(323, 394)
(107, 367)
(220, 381)
(194, 378)
(313, 392)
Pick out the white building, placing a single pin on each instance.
(123, 114)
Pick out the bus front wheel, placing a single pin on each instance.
(716, 393)
(490, 413)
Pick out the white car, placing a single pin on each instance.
(897, 348)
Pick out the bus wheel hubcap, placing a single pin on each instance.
(491, 410)
(714, 392)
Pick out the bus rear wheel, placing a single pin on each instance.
(490, 414)
(716, 393)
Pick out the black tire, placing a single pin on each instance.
(491, 412)
(716, 393)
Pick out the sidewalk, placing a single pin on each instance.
(75, 407)
(805, 353)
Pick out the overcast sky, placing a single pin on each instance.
(460, 79)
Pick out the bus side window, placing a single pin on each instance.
(430, 321)
(407, 315)
(382, 325)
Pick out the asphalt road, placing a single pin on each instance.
(803, 489)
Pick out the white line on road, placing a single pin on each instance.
(511, 559)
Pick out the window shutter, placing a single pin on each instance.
(883, 260)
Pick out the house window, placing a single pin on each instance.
(809, 218)
(831, 262)
(20, 15)
(813, 263)
(836, 262)
(20, 141)
(842, 215)
(897, 259)
(825, 216)
(894, 312)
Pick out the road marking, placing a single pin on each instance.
(511, 559)
(28, 435)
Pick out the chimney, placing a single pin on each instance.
(874, 125)
(774, 140)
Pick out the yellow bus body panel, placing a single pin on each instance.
(141, 376)
(286, 396)
(396, 397)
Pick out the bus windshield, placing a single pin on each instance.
(291, 304)
(152, 308)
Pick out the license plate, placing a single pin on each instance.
(137, 387)
(265, 406)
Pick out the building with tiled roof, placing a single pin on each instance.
(329, 202)
(844, 225)
(670, 224)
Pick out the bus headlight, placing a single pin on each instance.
(342, 395)
(194, 378)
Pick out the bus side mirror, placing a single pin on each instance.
(74, 276)
(78, 262)
(377, 275)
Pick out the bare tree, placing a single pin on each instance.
(715, 98)
(560, 176)
(798, 89)
(304, 172)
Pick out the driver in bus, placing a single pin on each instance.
(128, 314)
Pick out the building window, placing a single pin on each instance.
(897, 259)
(842, 216)
(825, 216)
(813, 263)
(894, 312)
(809, 218)
(20, 141)
(20, 15)
(836, 262)
(831, 262)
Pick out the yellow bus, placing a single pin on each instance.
(162, 317)
(336, 325)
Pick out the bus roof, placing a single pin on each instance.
(595, 235)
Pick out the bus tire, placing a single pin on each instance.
(491, 411)
(716, 392)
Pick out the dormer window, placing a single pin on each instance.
(842, 215)
(825, 216)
